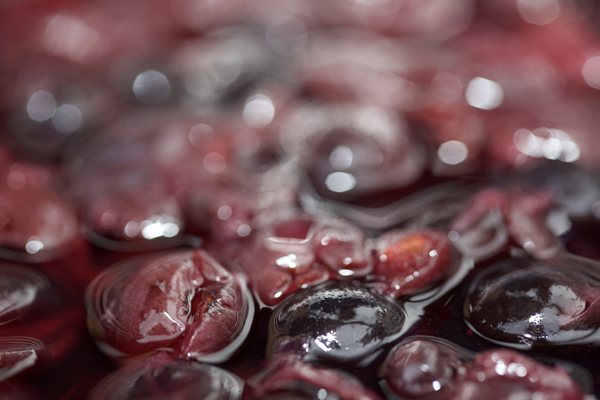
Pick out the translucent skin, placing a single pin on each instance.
(185, 301)
(411, 262)
(420, 368)
(536, 302)
(339, 320)
(523, 215)
(504, 374)
(289, 373)
(298, 253)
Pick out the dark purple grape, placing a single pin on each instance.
(526, 302)
(343, 321)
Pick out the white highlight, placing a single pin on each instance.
(484, 93)
(453, 152)
(340, 182)
(41, 106)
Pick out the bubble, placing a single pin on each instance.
(67, 119)
(258, 111)
(41, 106)
(525, 302)
(340, 320)
(152, 87)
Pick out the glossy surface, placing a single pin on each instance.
(502, 374)
(301, 252)
(185, 301)
(421, 367)
(342, 321)
(411, 262)
(527, 303)
(456, 138)
(289, 376)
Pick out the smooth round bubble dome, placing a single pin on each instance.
(341, 321)
(159, 377)
(527, 302)
(421, 367)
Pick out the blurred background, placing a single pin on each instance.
(506, 81)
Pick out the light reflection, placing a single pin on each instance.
(244, 230)
(70, 37)
(132, 229)
(41, 106)
(290, 261)
(591, 72)
(17, 353)
(34, 245)
(539, 12)
(109, 219)
(552, 148)
(556, 145)
(224, 212)
(214, 163)
(158, 226)
(152, 87)
(375, 122)
(341, 158)
(453, 152)
(286, 35)
(480, 376)
(500, 368)
(201, 135)
(67, 119)
(484, 93)
(570, 151)
(340, 182)
(453, 236)
(536, 319)
(322, 394)
(258, 111)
